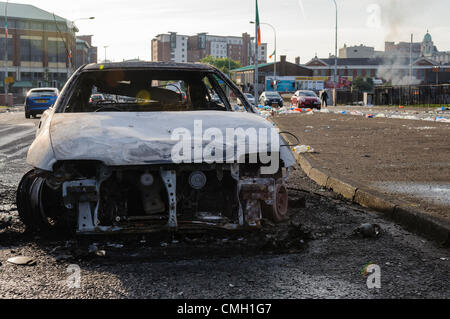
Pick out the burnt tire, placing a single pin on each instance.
(278, 212)
(39, 206)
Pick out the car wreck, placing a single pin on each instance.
(108, 166)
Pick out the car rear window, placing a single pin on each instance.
(43, 93)
(308, 94)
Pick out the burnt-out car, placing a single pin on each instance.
(153, 158)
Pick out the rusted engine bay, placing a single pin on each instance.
(93, 198)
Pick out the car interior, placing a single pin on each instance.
(146, 91)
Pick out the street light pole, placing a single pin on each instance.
(70, 53)
(410, 59)
(5, 85)
(335, 56)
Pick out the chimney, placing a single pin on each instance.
(283, 59)
(297, 60)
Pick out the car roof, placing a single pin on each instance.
(44, 89)
(150, 65)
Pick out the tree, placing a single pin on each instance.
(363, 85)
(222, 64)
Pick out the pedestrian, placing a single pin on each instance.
(325, 99)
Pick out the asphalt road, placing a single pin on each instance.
(316, 255)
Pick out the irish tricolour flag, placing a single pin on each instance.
(258, 26)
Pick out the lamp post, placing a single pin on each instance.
(70, 53)
(335, 56)
(5, 85)
(275, 64)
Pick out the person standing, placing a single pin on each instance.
(325, 99)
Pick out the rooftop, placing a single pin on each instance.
(30, 12)
(367, 61)
(251, 67)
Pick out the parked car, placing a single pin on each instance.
(249, 97)
(121, 167)
(97, 98)
(306, 99)
(38, 100)
(271, 98)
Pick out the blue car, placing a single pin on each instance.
(39, 100)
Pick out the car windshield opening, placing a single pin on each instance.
(146, 91)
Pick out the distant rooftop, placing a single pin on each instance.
(367, 61)
(251, 67)
(28, 11)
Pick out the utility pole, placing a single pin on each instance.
(410, 59)
(5, 85)
(335, 57)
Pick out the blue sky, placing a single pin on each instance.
(128, 27)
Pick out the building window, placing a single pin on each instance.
(30, 50)
(56, 52)
(10, 49)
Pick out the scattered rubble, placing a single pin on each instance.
(93, 249)
(6, 223)
(368, 231)
(22, 261)
(303, 149)
(441, 114)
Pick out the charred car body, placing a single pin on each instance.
(109, 166)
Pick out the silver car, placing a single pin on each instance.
(151, 159)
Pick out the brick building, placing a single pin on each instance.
(92, 51)
(38, 47)
(173, 47)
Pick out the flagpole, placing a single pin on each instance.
(256, 65)
(256, 53)
(5, 85)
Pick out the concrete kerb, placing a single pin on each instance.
(397, 211)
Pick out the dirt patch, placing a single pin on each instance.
(376, 152)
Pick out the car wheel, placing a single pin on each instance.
(40, 208)
(278, 211)
(27, 115)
